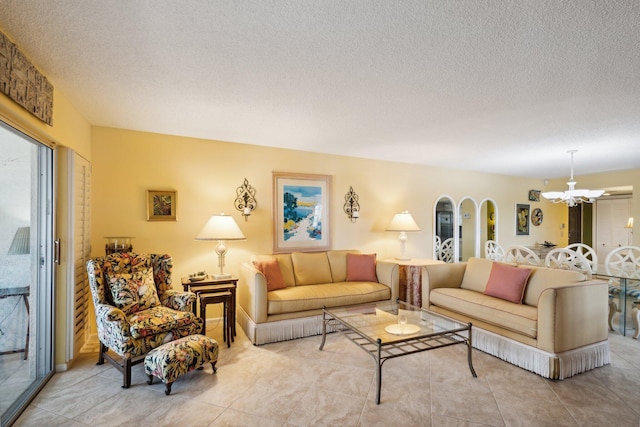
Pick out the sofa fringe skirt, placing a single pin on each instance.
(549, 365)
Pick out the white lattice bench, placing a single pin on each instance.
(176, 358)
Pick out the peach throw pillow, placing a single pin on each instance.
(271, 270)
(507, 282)
(361, 268)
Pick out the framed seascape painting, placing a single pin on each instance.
(161, 205)
(301, 205)
(522, 219)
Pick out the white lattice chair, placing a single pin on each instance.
(624, 262)
(521, 255)
(446, 250)
(567, 259)
(493, 251)
(437, 243)
(586, 251)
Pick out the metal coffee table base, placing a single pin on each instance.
(382, 352)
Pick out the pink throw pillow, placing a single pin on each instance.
(271, 270)
(361, 268)
(507, 282)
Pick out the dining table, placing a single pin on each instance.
(624, 288)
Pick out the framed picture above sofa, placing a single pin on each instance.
(301, 217)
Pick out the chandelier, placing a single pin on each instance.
(572, 196)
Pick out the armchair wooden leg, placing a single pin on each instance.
(127, 372)
(103, 350)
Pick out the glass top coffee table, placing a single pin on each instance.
(389, 329)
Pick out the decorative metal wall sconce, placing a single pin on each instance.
(246, 199)
(351, 206)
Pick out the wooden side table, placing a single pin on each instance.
(223, 298)
(410, 278)
(211, 285)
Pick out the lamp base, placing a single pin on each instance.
(221, 276)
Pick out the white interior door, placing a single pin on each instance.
(611, 218)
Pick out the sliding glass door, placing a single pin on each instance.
(26, 270)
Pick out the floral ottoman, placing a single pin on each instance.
(178, 357)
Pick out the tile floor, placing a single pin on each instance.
(294, 384)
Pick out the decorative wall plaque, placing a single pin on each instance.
(23, 83)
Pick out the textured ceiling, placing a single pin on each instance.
(502, 86)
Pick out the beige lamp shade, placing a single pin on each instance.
(403, 221)
(629, 223)
(221, 227)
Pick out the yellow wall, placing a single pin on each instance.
(206, 173)
(69, 128)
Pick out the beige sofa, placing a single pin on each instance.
(313, 280)
(559, 330)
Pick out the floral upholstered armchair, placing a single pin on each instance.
(136, 308)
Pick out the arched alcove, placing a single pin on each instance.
(467, 227)
(443, 222)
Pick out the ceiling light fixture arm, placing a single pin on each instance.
(572, 197)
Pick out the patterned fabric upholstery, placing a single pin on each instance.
(131, 334)
(132, 286)
(178, 357)
(169, 297)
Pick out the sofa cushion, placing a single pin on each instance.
(286, 268)
(271, 270)
(311, 268)
(476, 274)
(542, 278)
(519, 318)
(507, 282)
(302, 298)
(284, 261)
(158, 319)
(361, 268)
(338, 263)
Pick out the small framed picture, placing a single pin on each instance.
(522, 219)
(534, 195)
(161, 205)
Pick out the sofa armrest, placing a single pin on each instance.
(447, 275)
(387, 273)
(252, 292)
(572, 316)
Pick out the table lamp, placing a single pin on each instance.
(221, 227)
(403, 222)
